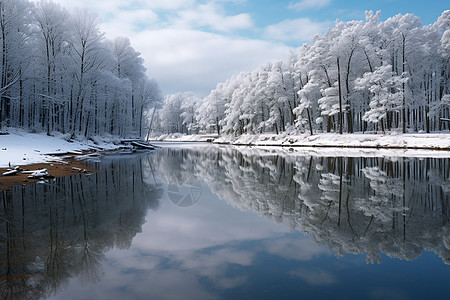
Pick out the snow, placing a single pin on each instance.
(22, 148)
(331, 144)
(178, 137)
(367, 140)
(39, 174)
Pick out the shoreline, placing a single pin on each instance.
(18, 147)
(395, 141)
(58, 168)
(34, 151)
(304, 146)
(334, 146)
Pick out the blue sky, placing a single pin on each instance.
(191, 45)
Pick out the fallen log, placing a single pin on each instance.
(74, 152)
(142, 145)
(29, 171)
(10, 173)
(59, 153)
(40, 174)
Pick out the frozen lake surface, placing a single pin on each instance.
(210, 222)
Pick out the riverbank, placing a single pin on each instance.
(39, 151)
(60, 157)
(23, 148)
(61, 168)
(414, 141)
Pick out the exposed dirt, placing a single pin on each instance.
(65, 167)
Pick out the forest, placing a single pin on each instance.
(359, 76)
(58, 73)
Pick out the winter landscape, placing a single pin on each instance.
(231, 149)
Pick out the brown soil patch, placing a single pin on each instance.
(65, 167)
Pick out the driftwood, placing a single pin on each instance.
(60, 153)
(10, 173)
(80, 170)
(138, 143)
(74, 152)
(12, 170)
(143, 145)
(30, 171)
(40, 174)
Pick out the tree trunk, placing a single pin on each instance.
(340, 97)
(403, 84)
(347, 85)
(309, 121)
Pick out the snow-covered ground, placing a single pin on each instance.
(330, 144)
(357, 140)
(21, 148)
(178, 137)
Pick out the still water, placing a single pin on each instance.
(225, 223)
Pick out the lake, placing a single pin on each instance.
(209, 222)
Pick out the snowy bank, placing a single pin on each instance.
(430, 141)
(439, 141)
(22, 148)
(184, 138)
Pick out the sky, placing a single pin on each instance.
(191, 45)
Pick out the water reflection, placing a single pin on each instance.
(52, 232)
(196, 246)
(395, 206)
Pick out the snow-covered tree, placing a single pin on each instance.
(212, 110)
(14, 54)
(332, 80)
(59, 73)
(178, 113)
(387, 95)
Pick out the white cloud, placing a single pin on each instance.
(199, 227)
(155, 283)
(179, 55)
(116, 5)
(296, 249)
(213, 16)
(301, 30)
(125, 22)
(309, 4)
(315, 277)
(215, 265)
(166, 4)
(190, 60)
(97, 6)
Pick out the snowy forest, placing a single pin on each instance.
(359, 76)
(58, 73)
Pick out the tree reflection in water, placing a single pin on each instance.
(396, 206)
(377, 205)
(58, 230)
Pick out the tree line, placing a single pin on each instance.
(359, 76)
(59, 73)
